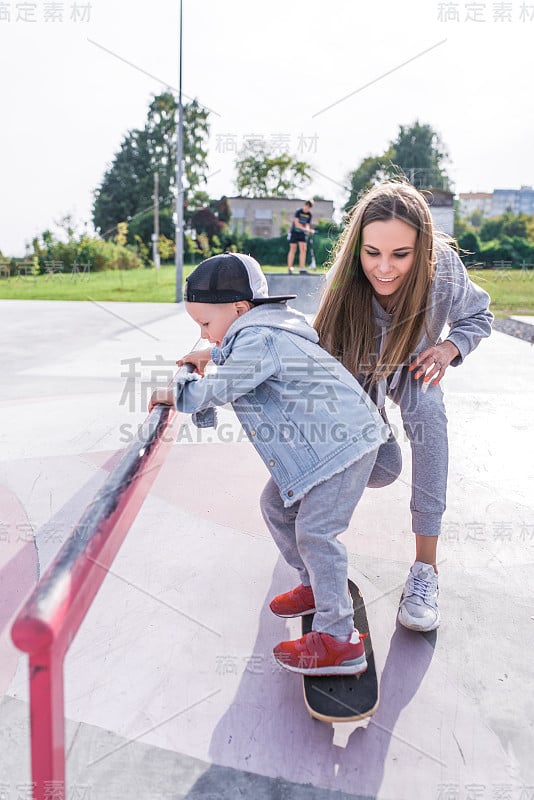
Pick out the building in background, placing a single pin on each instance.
(518, 201)
(498, 202)
(269, 217)
(442, 209)
(475, 201)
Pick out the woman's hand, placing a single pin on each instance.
(433, 362)
(198, 358)
(163, 397)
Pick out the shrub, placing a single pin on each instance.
(274, 251)
(267, 251)
(507, 248)
(470, 243)
(99, 254)
(143, 225)
(323, 248)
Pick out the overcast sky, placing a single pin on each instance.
(331, 80)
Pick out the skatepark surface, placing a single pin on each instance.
(171, 688)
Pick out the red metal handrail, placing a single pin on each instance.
(52, 615)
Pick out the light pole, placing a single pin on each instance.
(155, 235)
(179, 257)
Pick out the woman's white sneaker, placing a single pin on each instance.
(418, 609)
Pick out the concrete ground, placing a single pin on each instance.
(171, 690)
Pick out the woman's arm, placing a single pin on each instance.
(469, 318)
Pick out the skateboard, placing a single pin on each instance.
(344, 698)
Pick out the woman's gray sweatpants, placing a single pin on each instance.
(425, 424)
(306, 535)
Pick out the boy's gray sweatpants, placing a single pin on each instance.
(425, 423)
(306, 535)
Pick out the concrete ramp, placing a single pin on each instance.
(171, 688)
(305, 284)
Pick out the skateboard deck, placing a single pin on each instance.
(344, 698)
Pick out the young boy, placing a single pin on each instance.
(314, 427)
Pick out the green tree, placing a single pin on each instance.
(122, 233)
(143, 225)
(223, 209)
(205, 221)
(470, 243)
(127, 188)
(419, 152)
(166, 247)
(265, 173)
(491, 229)
(196, 134)
(371, 171)
(476, 218)
(161, 129)
(519, 226)
(515, 225)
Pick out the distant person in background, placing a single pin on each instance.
(298, 234)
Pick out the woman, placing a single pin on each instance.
(394, 284)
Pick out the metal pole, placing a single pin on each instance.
(179, 258)
(155, 236)
(47, 723)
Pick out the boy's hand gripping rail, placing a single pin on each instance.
(52, 615)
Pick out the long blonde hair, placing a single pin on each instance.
(345, 321)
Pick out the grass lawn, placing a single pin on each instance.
(136, 286)
(512, 291)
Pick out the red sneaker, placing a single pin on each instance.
(321, 654)
(296, 603)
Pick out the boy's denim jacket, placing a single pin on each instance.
(305, 414)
